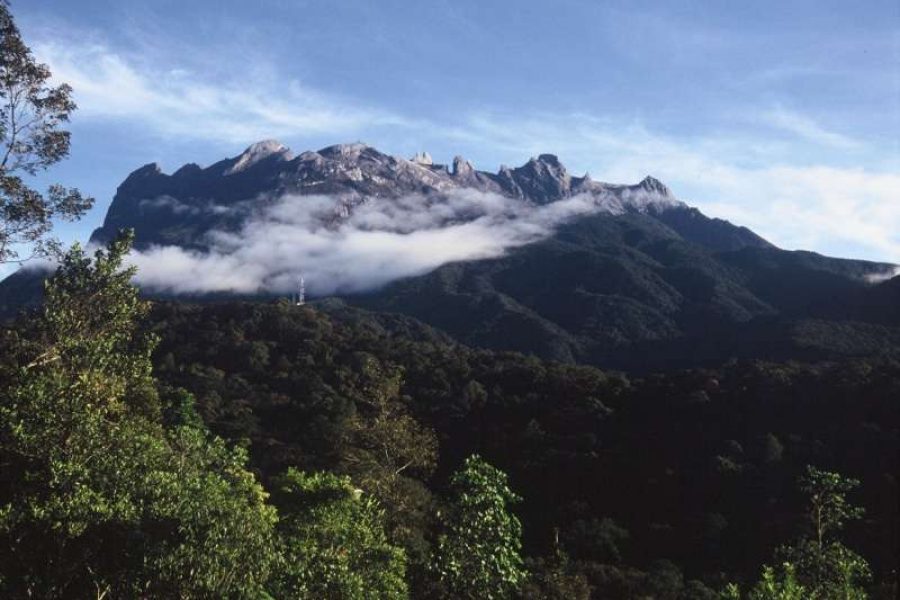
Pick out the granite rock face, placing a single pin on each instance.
(179, 208)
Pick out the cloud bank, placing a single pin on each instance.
(382, 240)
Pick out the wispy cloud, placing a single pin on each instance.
(884, 275)
(818, 207)
(176, 101)
(807, 128)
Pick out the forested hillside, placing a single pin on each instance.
(647, 292)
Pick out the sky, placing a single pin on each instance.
(780, 116)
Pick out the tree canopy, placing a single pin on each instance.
(97, 493)
(33, 114)
(479, 554)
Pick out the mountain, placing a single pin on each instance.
(640, 280)
(182, 207)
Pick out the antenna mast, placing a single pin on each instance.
(301, 292)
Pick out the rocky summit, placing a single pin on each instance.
(179, 208)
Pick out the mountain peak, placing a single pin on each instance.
(543, 178)
(546, 164)
(188, 169)
(344, 150)
(147, 171)
(550, 159)
(462, 167)
(257, 152)
(422, 158)
(652, 184)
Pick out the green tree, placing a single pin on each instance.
(212, 529)
(781, 585)
(828, 510)
(333, 541)
(98, 498)
(596, 539)
(388, 452)
(479, 553)
(818, 566)
(32, 114)
(385, 440)
(824, 564)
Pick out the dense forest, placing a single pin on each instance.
(249, 449)
(693, 468)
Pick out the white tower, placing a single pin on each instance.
(301, 292)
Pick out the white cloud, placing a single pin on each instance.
(383, 240)
(813, 207)
(7, 269)
(178, 103)
(883, 276)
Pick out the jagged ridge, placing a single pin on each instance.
(349, 172)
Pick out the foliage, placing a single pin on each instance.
(90, 324)
(334, 543)
(781, 585)
(479, 553)
(599, 539)
(827, 567)
(384, 438)
(817, 565)
(600, 455)
(97, 496)
(218, 538)
(386, 447)
(830, 571)
(828, 511)
(31, 140)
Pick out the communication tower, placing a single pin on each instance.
(301, 292)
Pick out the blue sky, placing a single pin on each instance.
(782, 116)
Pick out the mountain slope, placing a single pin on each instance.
(626, 292)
